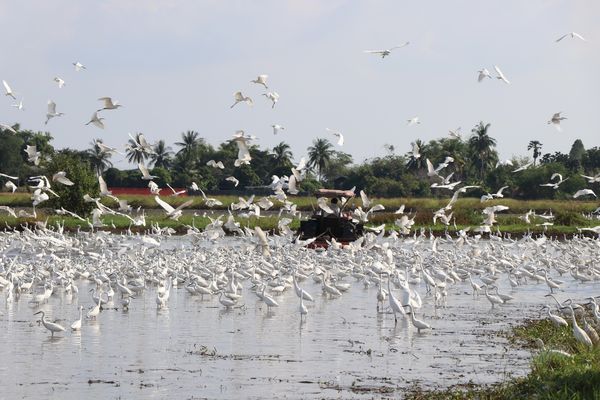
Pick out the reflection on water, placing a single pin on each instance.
(195, 347)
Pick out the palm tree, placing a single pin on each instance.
(162, 155)
(481, 145)
(319, 155)
(537, 149)
(283, 154)
(134, 153)
(99, 160)
(190, 140)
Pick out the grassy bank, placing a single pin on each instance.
(466, 212)
(552, 376)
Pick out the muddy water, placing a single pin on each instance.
(197, 349)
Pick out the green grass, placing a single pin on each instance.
(467, 212)
(552, 376)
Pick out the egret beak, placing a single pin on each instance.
(37, 313)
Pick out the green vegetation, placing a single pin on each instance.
(553, 376)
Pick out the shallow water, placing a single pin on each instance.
(197, 349)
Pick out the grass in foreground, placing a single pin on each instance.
(552, 376)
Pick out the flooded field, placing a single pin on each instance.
(195, 347)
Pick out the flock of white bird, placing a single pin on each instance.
(403, 274)
(406, 271)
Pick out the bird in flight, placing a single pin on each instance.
(573, 35)
(273, 96)
(386, 52)
(483, 73)
(51, 113)
(501, 75)
(555, 120)
(277, 128)
(97, 121)
(8, 90)
(413, 121)
(59, 81)
(261, 80)
(109, 104)
(239, 97)
(78, 66)
(337, 134)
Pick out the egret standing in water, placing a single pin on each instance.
(51, 326)
(75, 326)
(302, 309)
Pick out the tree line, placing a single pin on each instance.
(475, 162)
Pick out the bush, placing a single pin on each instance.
(85, 181)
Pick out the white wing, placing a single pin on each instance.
(164, 205)
(501, 75)
(51, 107)
(6, 87)
(365, 199)
(577, 35)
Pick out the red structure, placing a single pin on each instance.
(144, 191)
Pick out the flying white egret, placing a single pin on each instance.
(61, 177)
(173, 213)
(555, 120)
(273, 96)
(215, 164)
(501, 75)
(145, 173)
(19, 106)
(78, 66)
(233, 180)
(584, 192)
(239, 97)
(59, 81)
(277, 128)
(96, 120)
(386, 52)
(8, 91)
(555, 185)
(51, 113)
(9, 128)
(413, 121)
(261, 80)
(572, 35)
(483, 73)
(337, 134)
(109, 104)
(455, 134)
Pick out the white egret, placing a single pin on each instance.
(109, 104)
(239, 97)
(96, 120)
(579, 333)
(8, 91)
(337, 134)
(572, 35)
(417, 323)
(555, 120)
(386, 52)
(273, 96)
(75, 326)
(59, 81)
(51, 326)
(78, 66)
(261, 80)
(501, 75)
(51, 113)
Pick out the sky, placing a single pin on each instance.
(175, 65)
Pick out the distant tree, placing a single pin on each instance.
(537, 149)
(162, 155)
(282, 154)
(135, 154)
(80, 173)
(319, 155)
(190, 141)
(576, 154)
(482, 146)
(100, 161)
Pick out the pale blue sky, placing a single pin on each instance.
(175, 65)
